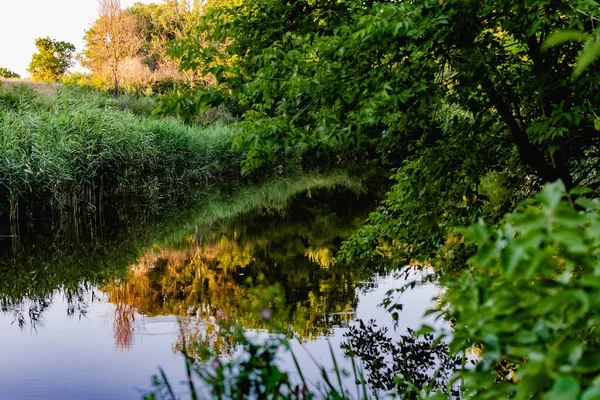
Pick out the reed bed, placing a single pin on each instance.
(72, 154)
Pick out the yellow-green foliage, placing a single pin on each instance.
(493, 186)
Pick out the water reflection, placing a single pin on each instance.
(119, 306)
(279, 260)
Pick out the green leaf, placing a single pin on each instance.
(511, 257)
(477, 233)
(564, 388)
(586, 58)
(592, 393)
(588, 204)
(551, 195)
(484, 255)
(579, 190)
(560, 37)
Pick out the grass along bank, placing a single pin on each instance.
(70, 155)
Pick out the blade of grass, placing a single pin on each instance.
(336, 368)
(324, 375)
(188, 368)
(297, 364)
(355, 371)
(166, 383)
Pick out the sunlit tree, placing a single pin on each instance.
(52, 60)
(113, 38)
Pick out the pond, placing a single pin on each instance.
(95, 318)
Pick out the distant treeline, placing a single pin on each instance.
(7, 73)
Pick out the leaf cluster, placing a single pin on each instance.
(529, 302)
(7, 73)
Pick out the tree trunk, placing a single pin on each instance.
(115, 73)
(529, 154)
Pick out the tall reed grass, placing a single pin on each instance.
(72, 154)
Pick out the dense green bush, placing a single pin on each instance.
(530, 301)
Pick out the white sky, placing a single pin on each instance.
(22, 21)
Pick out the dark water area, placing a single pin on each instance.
(94, 318)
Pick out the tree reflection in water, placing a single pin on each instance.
(282, 261)
(30, 312)
(229, 270)
(280, 258)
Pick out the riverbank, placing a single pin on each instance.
(72, 155)
(69, 156)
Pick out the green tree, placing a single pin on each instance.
(52, 60)
(447, 91)
(7, 73)
(138, 36)
(161, 24)
(377, 60)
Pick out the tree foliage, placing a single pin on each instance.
(320, 72)
(132, 45)
(52, 60)
(112, 39)
(445, 93)
(529, 302)
(7, 73)
(162, 23)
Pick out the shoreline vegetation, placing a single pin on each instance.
(70, 156)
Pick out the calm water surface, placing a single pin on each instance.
(95, 320)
